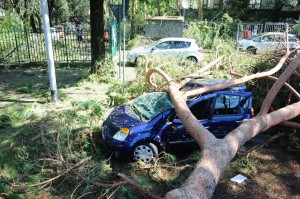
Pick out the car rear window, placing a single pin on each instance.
(180, 44)
(292, 39)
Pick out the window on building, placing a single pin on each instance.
(254, 4)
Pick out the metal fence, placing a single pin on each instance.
(257, 28)
(23, 46)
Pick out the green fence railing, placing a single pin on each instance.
(22, 46)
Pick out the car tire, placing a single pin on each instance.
(146, 152)
(193, 59)
(251, 49)
(140, 60)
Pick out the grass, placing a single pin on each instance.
(71, 132)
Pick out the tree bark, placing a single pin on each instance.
(132, 19)
(216, 154)
(158, 7)
(200, 10)
(97, 32)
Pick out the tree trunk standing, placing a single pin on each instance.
(200, 10)
(97, 32)
(158, 7)
(167, 4)
(132, 18)
(32, 24)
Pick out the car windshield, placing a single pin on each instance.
(149, 105)
(254, 36)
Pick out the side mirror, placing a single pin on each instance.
(176, 121)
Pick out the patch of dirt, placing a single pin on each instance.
(272, 172)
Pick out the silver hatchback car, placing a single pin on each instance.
(180, 48)
(268, 42)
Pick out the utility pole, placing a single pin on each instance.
(124, 37)
(49, 51)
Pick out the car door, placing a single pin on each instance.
(162, 49)
(267, 43)
(174, 131)
(230, 109)
(179, 49)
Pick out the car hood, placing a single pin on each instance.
(243, 41)
(121, 117)
(142, 49)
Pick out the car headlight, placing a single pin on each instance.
(121, 134)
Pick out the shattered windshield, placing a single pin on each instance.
(149, 105)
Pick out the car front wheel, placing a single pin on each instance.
(193, 59)
(145, 152)
(251, 50)
(140, 60)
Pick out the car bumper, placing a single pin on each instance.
(119, 149)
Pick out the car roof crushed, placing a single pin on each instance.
(198, 83)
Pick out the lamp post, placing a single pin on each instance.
(49, 51)
(124, 38)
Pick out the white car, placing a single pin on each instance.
(55, 35)
(268, 42)
(180, 48)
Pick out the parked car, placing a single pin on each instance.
(268, 42)
(149, 123)
(54, 33)
(180, 48)
(60, 30)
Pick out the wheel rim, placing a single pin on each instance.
(192, 59)
(143, 153)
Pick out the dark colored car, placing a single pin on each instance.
(149, 124)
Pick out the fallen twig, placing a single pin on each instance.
(138, 187)
(65, 172)
(264, 144)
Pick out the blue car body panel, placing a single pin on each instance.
(220, 112)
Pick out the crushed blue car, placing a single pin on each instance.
(149, 124)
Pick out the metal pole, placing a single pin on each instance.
(124, 38)
(237, 35)
(119, 36)
(49, 50)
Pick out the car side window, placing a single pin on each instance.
(179, 44)
(279, 38)
(268, 38)
(202, 110)
(231, 104)
(163, 45)
(293, 39)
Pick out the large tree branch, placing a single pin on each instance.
(200, 71)
(233, 82)
(278, 84)
(217, 155)
(197, 131)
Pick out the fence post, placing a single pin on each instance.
(16, 39)
(26, 35)
(66, 46)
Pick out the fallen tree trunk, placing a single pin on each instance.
(216, 154)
